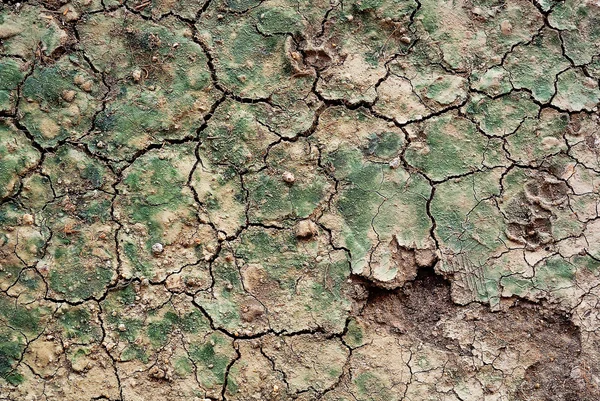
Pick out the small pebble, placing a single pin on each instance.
(137, 75)
(306, 229)
(590, 83)
(28, 219)
(506, 27)
(288, 177)
(87, 86)
(68, 95)
(157, 248)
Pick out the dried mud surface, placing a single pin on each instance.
(334, 200)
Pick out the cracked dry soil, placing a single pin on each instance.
(334, 200)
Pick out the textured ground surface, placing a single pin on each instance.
(300, 200)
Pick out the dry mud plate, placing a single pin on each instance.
(335, 200)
